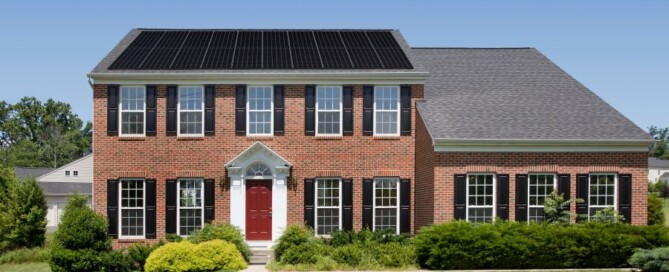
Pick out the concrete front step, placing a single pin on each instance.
(261, 256)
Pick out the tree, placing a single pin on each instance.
(659, 149)
(23, 216)
(556, 208)
(655, 213)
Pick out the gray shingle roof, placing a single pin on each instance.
(655, 162)
(28, 172)
(512, 94)
(66, 188)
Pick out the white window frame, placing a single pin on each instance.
(248, 112)
(494, 196)
(179, 111)
(67, 173)
(120, 209)
(121, 111)
(529, 192)
(179, 204)
(75, 173)
(399, 105)
(341, 111)
(316, 207)
(397, 202)
(615, 193)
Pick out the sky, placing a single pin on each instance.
(618, 49)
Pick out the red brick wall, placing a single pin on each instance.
(167, 157)
(424, 195)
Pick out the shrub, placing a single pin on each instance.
(225, 232)
(344, 237)
(509, 245)
(23, 213)
(294, 235)
(654, 260)
(303, 253)
(173, 237)
(348, 254)
(25, 255)
(186, 256)
(394, 255)
(139, 252)
(556, 208)
(655, 213)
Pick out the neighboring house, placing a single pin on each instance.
(346, 129)
(30, 172)
(658, 170)
(60, 183)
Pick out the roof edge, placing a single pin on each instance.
(541, 145)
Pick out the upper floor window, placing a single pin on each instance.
(386, 204)
(132, 208)
(602, 193)
(328, 110)
(67, 173)
(540, 186)
(260, 110)
(133, 102)
(75, 173)
(191, 110)
(387, 110)
(328, 205)
(480, 197)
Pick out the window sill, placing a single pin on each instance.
(190, 138)
(130, 240)
(387, 137)
(329, 137)
(131, 138)
(259, 137)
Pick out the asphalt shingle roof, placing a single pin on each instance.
(655, 162)
(31, 172)
(512, 94)
(66, 188)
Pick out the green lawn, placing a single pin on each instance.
(665, 208)
(32, 267)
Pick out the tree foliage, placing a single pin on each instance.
(36, 134)
(23, 213)
(556, 208)
(655, 213)
(659, 149)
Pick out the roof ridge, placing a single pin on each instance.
(481, 48)
(265, 29)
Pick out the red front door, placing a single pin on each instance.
(259, 210)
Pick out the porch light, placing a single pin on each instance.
(224, 181)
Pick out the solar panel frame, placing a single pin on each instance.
(192, 53)
(361, 50)
(221, 50)
(389, 51)
(248, 53)
(163, 54)
(304, 50)
(332, 50)
(133, 56)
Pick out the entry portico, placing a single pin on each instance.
(259, 176)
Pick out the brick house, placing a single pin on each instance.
(345, 129)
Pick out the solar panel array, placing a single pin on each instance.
(291, 49)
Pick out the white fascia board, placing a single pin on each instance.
(495, 145)
(261, 78)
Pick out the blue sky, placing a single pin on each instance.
(619, 49)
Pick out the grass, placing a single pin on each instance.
(665, 208)
(33, 267)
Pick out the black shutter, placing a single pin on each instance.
(150, 209)
(278, 110)
(309, 199)
(367, 203)
(460, 192)
(150, 110)
(209, 109)
(521, 198)
(347, 204)
(564, 187)
(112, 207)
(171, 110)
(582, 184)
(405, 114)
(310, 110)
(368, 110)
(112, 110)
(240, 110)
(503, 196)
(405, 206)
(625, 197)
(209, 200)
(347, 102)
(171, 206)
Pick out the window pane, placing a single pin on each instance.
(190, 205)
(132, 207)
(327, 217)
(260, 110)
(386, 116)
(191, 98)
(480, 196)
(328, 109)
(602, 192)
(386, 200)
(190, 123)
(328, 221)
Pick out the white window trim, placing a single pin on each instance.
(179, 203)
(399, 105)
(615, 193)
(67, 173)
(494, 196)
(248, 112)
(316, 207)
(179, 111)
(121, 111)
(75, 173)
(397, 223)
(120, 210)
(341, 111)
(529, 192)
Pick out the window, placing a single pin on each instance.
(480, 197)
(386, 110)
(328, 206)
(191, 110)
(258, 170)
(132, 110)
(602, 192)
(540, 186)
(190, 208)
(386, 206)
(132, 208)
(67, 173)
(328, 110)
(75, 173)
(260, 111)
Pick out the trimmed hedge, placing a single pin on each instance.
(511, 245)
(185, 256)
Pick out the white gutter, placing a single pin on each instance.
(547, 145)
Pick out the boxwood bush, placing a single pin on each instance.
(225, 232)
(213, 255)
(510, 245)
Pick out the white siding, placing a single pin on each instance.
(83, 166)
(56, 205)
(654, 173)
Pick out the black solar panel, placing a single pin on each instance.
(270, 49)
